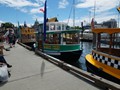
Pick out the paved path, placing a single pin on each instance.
(31, 72)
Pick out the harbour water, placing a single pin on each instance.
(81, 63)
(87, 47)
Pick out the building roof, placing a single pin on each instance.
(54, 19)
(106, 30)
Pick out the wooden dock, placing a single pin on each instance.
(33, 72)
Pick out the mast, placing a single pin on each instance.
(73, 13)
(94, 9)
(118, 14)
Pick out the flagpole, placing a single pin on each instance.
(44, 26)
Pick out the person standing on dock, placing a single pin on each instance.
(11, 38)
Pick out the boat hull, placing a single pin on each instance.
(70, 56)
(30, 44)
(99, 71)
(68, 52)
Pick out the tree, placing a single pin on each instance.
(7, 25)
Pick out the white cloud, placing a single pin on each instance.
(35, 10)
(18, 3)
(103, 9)
(86, 20)
(25, 6)
(41, 2)
(63, 3)
(23, 10)
(1, 22)
(101, 5)
(70, 22)
(40, 19)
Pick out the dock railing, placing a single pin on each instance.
(98, 81)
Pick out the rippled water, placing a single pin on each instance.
(87, 47)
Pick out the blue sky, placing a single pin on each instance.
(28, 10)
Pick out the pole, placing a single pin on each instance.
(74, 13)
(89, 16)
(44, 26)
(118, 14)
(94, 9)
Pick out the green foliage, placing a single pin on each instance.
(7, 25)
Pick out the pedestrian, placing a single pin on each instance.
(13, 40)
(2, 60)
(4, 72)
(10, 39)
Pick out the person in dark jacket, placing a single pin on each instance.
(2, 60)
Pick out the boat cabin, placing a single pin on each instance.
(59, 33)
(107, 40)
(27, 35)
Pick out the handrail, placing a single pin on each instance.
(26, 46)
(96, 79)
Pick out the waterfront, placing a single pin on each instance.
(87, 47)
(81, 63)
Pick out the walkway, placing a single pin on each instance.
(31, 72)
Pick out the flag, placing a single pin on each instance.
(45, 14)
(92, 23)
(42, 10)
(118, 9)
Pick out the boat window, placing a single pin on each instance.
(25, 31)
(47, 27)
(105, 39)
(108, 43)
(52, 27)
(58, 27)
(52, 39)
(70, 38)
(63, 27)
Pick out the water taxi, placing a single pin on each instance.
(61, 42)
(27, 36)
(105, 57)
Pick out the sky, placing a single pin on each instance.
(28, 11)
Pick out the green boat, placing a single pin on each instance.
(61, 42)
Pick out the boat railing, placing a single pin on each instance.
(103, 53)
(112, 51)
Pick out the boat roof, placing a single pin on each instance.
(106, 30)
(56, 23)
(63, 31)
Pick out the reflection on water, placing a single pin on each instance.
(87, 47)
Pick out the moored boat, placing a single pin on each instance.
(61, 42)
(27, 36)
(105, 57)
